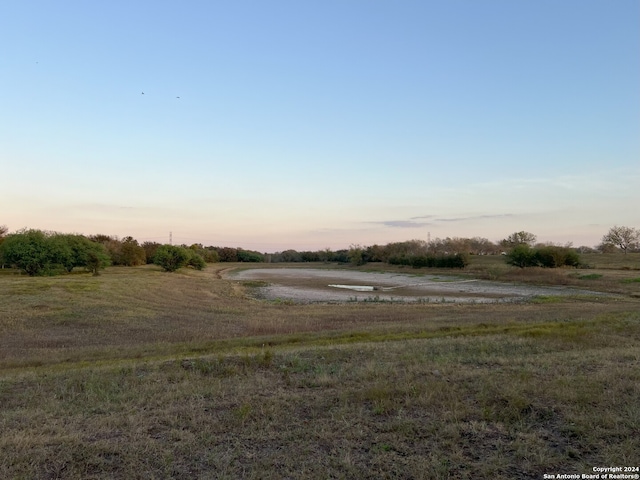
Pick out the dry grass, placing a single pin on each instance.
(613, 273)
(142, 374)
(142, 312)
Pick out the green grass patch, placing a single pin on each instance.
(590, 276)
(631, 280)
(254, 283)
(548, 299)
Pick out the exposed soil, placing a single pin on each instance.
(305, 285)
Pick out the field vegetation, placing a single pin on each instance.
(138, 373)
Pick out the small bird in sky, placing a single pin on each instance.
(177, 97)
(142, 93)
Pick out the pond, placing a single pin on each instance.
(305, 285)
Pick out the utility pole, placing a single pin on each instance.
(170, 238)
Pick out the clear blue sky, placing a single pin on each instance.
(312, 124)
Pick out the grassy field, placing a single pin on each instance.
(143, 374)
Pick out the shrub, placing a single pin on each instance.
(459, 260)
(196, 261)
(126, 252)
(131, 253)
(79, 251)
(208, 254)
(400, 260)
(549, 256)
(150, 250)
(36, 252)
(249, 256)
(171, 258)
(96, 259)
(522, 256)
(552, 256)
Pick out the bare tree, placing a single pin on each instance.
(519, 238)
(623, 237)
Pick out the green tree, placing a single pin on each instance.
(326, 255)
(77, 249)
(340, 256)
(623, 237)
(227, 254)
(171, 257)
(126, 252)
(97, 259)
(356, 255)
(250, 256)
(289, 256)
(195, 260)
(552, 256)
(112, 245)
(131, 253)
(208, 254)
(150, 250)
(375, 253)
(48, 253)
(522, 256)
(309, 256)
(34, 252)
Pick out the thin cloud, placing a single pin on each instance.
(476, 217)
(402, 224)
(412, 223)
(101, 207)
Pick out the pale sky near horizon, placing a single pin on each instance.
(313, 124)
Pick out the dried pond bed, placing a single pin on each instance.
(305, 285)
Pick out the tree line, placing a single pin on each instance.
(38, 252)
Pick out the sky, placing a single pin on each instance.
(271, 125)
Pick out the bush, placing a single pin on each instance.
(79, 251)
(125, 252)
(227, 254)
(131, 253)
(47, 253)
(459, 260)
(33, 252)
(171, 258)
(208, 254)
(150, 249)
(522, 256)
(196, 261)
(552, 256)
(249, 256)
(96, 259)
(548, 256)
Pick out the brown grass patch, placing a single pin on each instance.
(142, 374)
